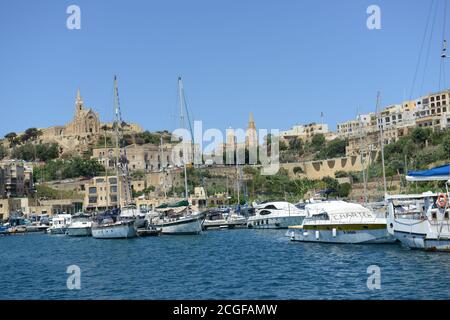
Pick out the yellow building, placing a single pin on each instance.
(104, 192)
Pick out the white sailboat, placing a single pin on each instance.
(421, 221)
(111, 225)
(180, 219)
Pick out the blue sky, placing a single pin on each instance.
(284, 60)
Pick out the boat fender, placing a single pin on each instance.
(334, 232)
(441, 201)
(317, 234)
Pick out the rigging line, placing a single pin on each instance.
(421, 50)
(188, 116)
(442, 65)
(428, 50)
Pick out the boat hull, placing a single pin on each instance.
(57, 230)
(275, 222)
(122, 230)
(421, 242)
(79, 232)
(184, 226)
(372, 236)
(422, 234)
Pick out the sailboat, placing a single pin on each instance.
(111, 225)
(421, 221)
(179, 218)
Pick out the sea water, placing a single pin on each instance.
(228, 264)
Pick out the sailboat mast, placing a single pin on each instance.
(381, 143)
(163, 171)
(361, 153)
(117, 118)
(106, 170)
(180, 89)
(238, 181)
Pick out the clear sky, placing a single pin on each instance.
(284, 60)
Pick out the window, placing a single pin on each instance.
(113, 180)
(92, 199)
(92, 190)
(113, 198)
(264, 212)
(113, 189)
(100, 180)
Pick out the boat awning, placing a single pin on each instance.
(441, 173)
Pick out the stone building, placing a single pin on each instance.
(78, 133)
(102, 193)
(146, 158)
(304, 132)
(16, 179)
(85, 128)
(251, 138)
(7, 206)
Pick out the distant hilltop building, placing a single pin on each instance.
(251, 138)
(396, 120)
(305, 132)
(85, 128)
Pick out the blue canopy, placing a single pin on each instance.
(435, 174)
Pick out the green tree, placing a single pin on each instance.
(12, 138)
(343, 190)
(420, 135)
(318, 141)
(30, 134)
(446, 144)
(296, 144)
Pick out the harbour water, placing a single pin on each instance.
(232, 264)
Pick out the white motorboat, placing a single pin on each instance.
(223, 220)
(340, 222)
(81, 226)
(59, 224)
(276, 215)
(420, 221)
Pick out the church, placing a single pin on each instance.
(77, 134)
(85, 122)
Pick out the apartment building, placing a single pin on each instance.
(147, 157)
(305, 132)
(16, 179)
(102, 193)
